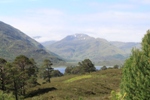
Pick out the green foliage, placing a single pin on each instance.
(116, 66)
(17, 76)
(47, 70)
(68, 70)
(83, 67)
(56, 73)
(117, 95)
(5, 96)
(27, 72)
(136, 73)
(2, 74)
(104, 68)
(87, 66)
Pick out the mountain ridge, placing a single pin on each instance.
(81, 46)
(13, 43)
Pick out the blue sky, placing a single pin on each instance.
(114, 20)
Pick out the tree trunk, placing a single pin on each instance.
(16, 90)
(3, 84)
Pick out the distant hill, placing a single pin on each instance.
(80, 46)
(14, 42)
(48, 43)
(126, 46)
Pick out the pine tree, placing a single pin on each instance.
(136, 73)
(32, 71)
(2, 73)
(47, 70)
(27, 72)
(87, 65)
(13, 77)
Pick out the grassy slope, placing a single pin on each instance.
(91, 86)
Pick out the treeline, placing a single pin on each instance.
(85, 66)
(22, 73)
(18, 75)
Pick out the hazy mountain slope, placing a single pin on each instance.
(13, 43)
(47, 43)
(126, 46)
(81, 46)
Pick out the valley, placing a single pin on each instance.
(91, 68)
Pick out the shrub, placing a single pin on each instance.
(56, 73)
(117, 96)
(104, 68)
(116, 66)
(5, 96)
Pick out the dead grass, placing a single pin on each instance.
(91, 86)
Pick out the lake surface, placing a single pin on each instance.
(62, 68)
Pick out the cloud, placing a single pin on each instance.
(141, 1)
(45, 11)
(54, 24)
(7, 1)
(109, 6)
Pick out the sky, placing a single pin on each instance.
(113, 20)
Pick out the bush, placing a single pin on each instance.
(116, 66)
(68, 70)
(56, 73)
(5, 96)
(104, 68)
(117, 96)
(83, 67)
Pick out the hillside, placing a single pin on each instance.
(126, 46)
(91, 86)
(48, 43)
(14, 42)
(80, 46)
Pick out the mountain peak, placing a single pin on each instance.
(77, 36)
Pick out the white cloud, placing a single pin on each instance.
(6, 1)
(141, 1)
(118, 6)
(53, 24)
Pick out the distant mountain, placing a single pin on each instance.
(126, 46)
(48, 43)
(14, 42)
(80, 46)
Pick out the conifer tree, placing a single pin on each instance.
(87, 65)
(32, 71)
(136, 73)
(13, 76)
(2, 73)
(27, 71)
(47, 70)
